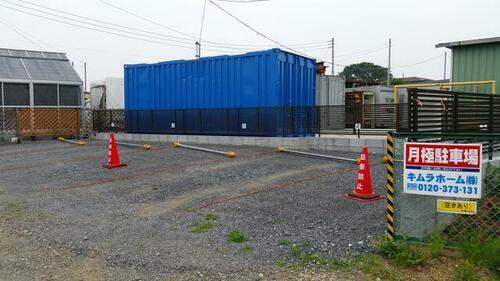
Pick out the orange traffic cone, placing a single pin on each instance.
(113, 157)
(364, 191)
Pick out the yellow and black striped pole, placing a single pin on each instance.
(390, 185)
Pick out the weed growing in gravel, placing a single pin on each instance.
(201, 227)
(236, 236)
(205, 227)
(247, 249)
(211, 217)
(400, 252)
(280, 263)
(464, 272)
(20, 213)
(284, 242)
(218, 250)
(376, 267)
(303, 257)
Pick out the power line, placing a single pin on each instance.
(256, 31)
(20, 33)
(392, 67)
(417, 63)
(104, 31)
(97, 20)
(207, 42)
(95, 25)
(362, 51)
(146, 19)
(154, 35)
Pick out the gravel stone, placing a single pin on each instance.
(137, 219)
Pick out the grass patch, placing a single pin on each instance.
(436, 242)
(284, 243)
(401, 252)
(481, 252)
(280, 263)
(302, 256)
(218, 250)
(236, 236)
(201, 227)
(376, 267)
(18, 212)
(211, 217)
(247, 249)
(464, 272)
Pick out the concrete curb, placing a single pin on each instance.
(375, 145)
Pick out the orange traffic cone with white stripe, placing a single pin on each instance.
(363, 190)
(113, 156)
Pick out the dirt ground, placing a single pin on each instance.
(65, 217)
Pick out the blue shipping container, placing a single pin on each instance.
(265, 79)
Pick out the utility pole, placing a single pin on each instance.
(85, 76)
(389, 65)
(333, 56)
(445, 56)
(198, 49)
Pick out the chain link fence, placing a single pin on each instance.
(416, 216)
(8, 121)
(86, 122)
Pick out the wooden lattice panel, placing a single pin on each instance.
(48, 122)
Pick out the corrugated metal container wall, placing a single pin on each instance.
(475, 63)
(330, 90)
(258, 79)
(330, 96)
(264, 79)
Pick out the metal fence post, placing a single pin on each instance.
(455, 112)
(318, 120)
(257, 112)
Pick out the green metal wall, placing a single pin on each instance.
(476, 62)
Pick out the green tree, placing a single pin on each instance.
(365, 71)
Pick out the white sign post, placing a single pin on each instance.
(449, 170)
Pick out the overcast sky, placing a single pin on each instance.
(361, 30)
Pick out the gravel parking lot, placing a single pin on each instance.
(65, 217)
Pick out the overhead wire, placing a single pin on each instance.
(148, 33)
(362, 54)
(98, 20)
(20, 33)
(93, 24)
(207, 42)
(255, 30)
(392, 67)
(105, 31)
(304, 47)
(146, 19)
